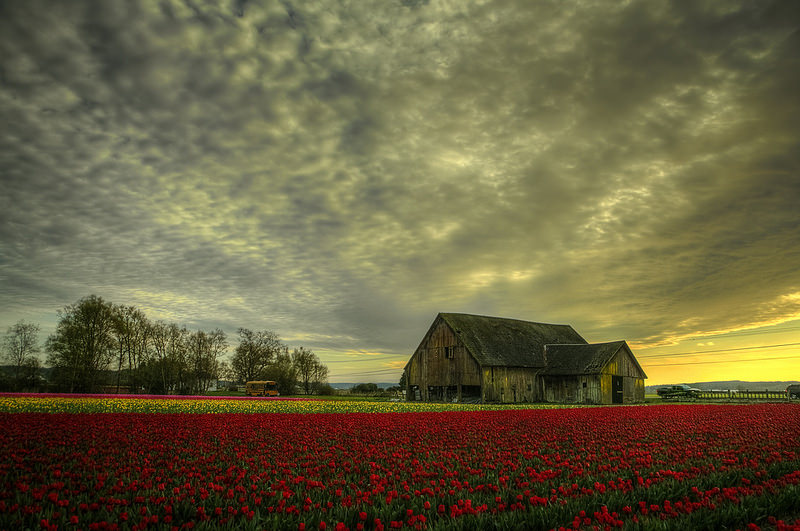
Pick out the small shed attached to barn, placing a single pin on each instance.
(598, 373)
(479, 358)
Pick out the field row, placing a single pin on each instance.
(138, 404)
(658, 467)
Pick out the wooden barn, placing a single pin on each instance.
(475, 358)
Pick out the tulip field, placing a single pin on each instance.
(600, 468)
(54, 403)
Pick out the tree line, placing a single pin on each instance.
(101, 346)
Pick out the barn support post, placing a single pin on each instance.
(459, 392)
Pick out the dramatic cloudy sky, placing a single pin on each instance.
(341, 171)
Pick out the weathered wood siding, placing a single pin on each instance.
(632, 389)
(622, 364)
(582, 389)
(430, 365)
(597, 388)
(510, 384)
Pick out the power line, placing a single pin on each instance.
(379, 370)
(359, 353)
(373, 372)
(736, 334)
(753, 332)
(689, 353)
(665, 355)
(354, 361)
(719, 361)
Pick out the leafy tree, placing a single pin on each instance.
(365, 389)
(83, 344)
(311, 372)
(20, 350)
(282, 372)
(254, 354)
(326, 390)
(29, 377)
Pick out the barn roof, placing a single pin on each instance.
(581, 359)
(495, 341)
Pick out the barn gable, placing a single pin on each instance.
(495, 341)
(562, 360)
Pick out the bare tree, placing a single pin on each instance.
(196, 346)
(155, 369)
(203, 350)
(131, 331)
(165, 368)
(20, 349)
(178, 353)
(224, 372)
(218, 346)
(254, 353)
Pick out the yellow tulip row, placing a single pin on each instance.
(111, 404)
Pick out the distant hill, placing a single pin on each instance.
(734, 385)
(350, 385)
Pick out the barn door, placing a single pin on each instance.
(616, 389)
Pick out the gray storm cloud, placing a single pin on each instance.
(345, 170)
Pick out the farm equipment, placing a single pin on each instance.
(793, 392)
(677, 392)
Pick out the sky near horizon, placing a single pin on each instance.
(339, 172)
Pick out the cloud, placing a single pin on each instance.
(343, 173)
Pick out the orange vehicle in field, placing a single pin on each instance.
(262, 388)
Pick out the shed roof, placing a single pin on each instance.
(581, 359)
(495, 341)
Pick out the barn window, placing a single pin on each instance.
(449, 352)
(584, 385)
(529, 387)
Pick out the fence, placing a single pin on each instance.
(742, 395)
